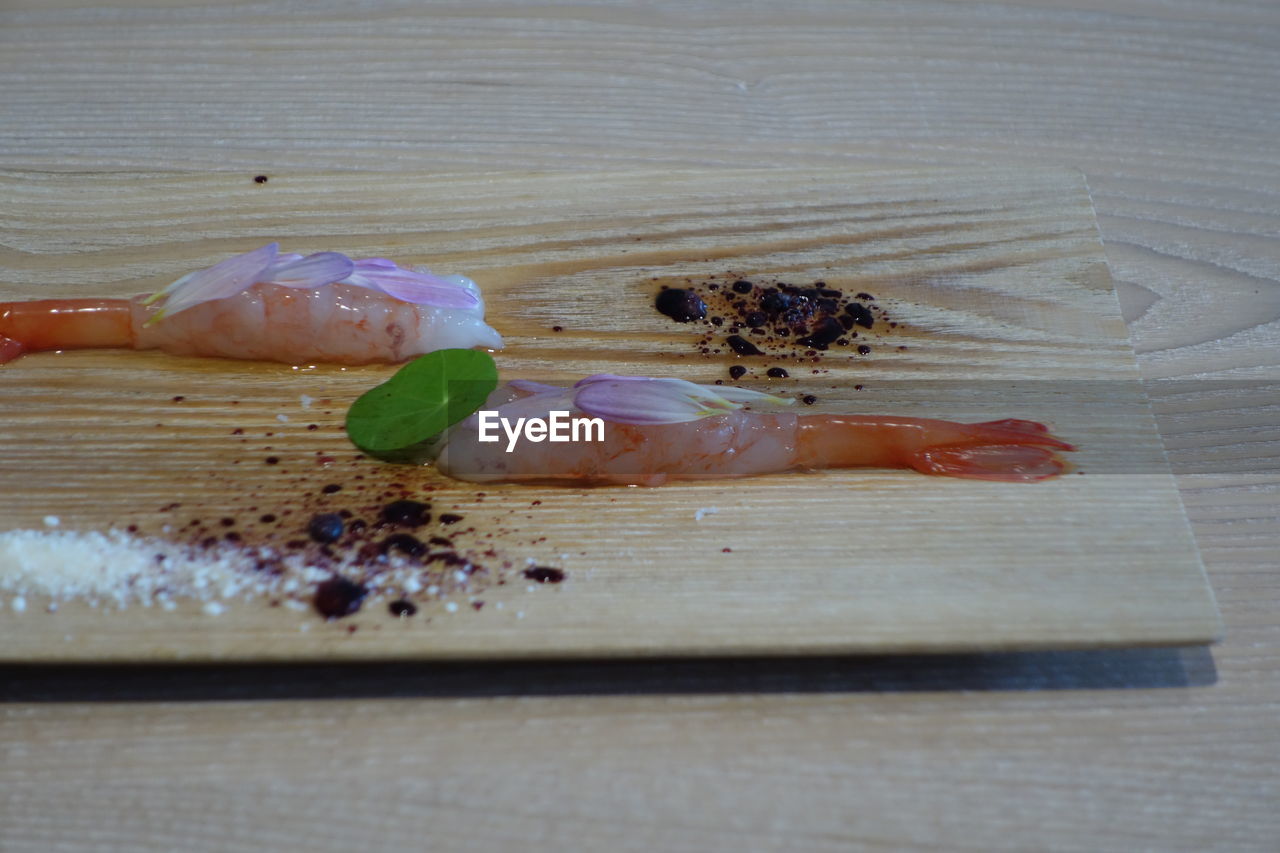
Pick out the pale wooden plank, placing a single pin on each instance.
(994, 276)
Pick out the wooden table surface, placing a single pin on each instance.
(1171, 109)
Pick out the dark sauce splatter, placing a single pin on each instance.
(742, 346)
(325, 527)
(260, 179)
(737, 371)
(860, 314)
(338, 597)
(406, 513)
(777, 373)
(406, 544)
(683, 306)
(402, 608)
(544, 574)
(825, 332)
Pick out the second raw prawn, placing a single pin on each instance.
(269, 306)
(657, 430)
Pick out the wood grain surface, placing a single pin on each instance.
(1001, 306)
(1169, 109)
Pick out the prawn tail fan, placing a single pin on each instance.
(1010, 450)
(1008, 463)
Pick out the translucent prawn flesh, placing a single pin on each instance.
(747, 443)
(339, 324)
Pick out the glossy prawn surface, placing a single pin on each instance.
(339, 324)
(746, 443)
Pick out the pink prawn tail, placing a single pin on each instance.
(1007, 451)
(1005, 463)
(47, 324)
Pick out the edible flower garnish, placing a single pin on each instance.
(267, 266)
(645, 400)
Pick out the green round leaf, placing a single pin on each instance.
(423, 399)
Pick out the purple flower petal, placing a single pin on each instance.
(266, 264)
(645, 400)
(416, 287)
(310, 272)
(223, 279)
(628, 402)
(375, 264)
(610, 377)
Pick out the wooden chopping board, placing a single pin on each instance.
(1004, 308)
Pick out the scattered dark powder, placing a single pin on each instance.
(406, 513)
(338, 597)
(402, 607)
(683, 306)
(544, 574)
(784, 320)
(325, 527)
(405, 543)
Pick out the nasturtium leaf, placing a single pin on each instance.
(423, 399)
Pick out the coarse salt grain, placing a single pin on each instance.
(704, 512)
(282, 418)
(122, 569)
(306, 401)
(52, 521)
(115, 570)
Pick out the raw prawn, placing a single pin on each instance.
(263, 305)
(648, 441)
